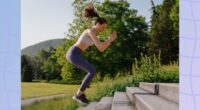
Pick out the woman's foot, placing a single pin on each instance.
(81, 99)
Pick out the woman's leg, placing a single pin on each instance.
(83, 64)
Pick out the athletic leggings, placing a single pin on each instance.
(74, 56)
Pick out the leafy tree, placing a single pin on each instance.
(174, 16)
(50, 67)
(162, 37)
(36, 64)
(26, 70)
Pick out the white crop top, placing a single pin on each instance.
(86, 39)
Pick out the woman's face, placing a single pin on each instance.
(101, 27)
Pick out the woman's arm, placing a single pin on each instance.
(109, 40)
(101, 46)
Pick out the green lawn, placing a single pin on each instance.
(44, 89)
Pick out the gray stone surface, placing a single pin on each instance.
(141, 98)
(131, 91)
(91, 106)
(121, 98)
(122, 107)
(104, 104)
(150, 87)
(170, 91)
(154, 102)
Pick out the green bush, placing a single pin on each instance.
(113, 85)
(150, 70)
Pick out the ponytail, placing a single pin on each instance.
(89, 12)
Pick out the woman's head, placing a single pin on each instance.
(100, 23)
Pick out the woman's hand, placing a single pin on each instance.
(113, 36)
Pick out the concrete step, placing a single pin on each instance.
(122, 107)
(121, 98)
(104, 104)
(91, 106)
(131, 91)
(154, 102)
(150, 87)
(121, 102)
(170, 91)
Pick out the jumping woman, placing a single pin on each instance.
(88, 38)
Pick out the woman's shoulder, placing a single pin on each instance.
(89, 31)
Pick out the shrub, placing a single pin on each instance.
(150, 70)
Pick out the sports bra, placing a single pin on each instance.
(86, 39)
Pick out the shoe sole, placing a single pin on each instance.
(81, 102)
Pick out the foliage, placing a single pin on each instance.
(163, 35)
(26, 69)
(51, 68)
(150, 70)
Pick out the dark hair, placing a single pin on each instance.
(100, 21)
(89, 12)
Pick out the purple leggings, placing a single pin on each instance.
(74, 56)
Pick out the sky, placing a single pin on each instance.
(48, 19)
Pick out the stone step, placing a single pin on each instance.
(150, 87)
(170, 91)
(91, 106)
(131, 91)
(121, 98)
(122, 107)
(121, 102)
(104, 104)
(154, 102)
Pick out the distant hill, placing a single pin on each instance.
(32, 50)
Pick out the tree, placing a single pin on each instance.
(50, 67)
(36, 64)
(26, 70)
(152, 44)
(162, 37)
(174, 16)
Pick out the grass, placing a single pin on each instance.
(94, 93)
(44, 89)
(174, 68)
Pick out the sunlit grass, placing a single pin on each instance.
(94, 93)
(174, 68)
(45, 89)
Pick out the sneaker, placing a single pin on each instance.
(81, 99)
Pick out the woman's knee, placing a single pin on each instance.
(92, 72)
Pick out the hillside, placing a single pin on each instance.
(32, 50)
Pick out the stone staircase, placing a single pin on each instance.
(148, 96)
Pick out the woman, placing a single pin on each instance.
(88, 38)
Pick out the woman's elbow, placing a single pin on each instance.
(101, 50)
